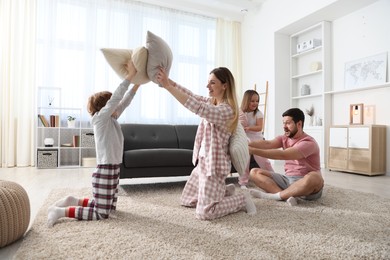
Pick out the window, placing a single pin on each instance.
(71, 33)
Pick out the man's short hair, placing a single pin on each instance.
(296, 114)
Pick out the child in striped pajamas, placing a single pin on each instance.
(105, 108)
(206, 189)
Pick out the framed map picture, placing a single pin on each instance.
(366, 72)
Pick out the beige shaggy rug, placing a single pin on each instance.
(150, 224)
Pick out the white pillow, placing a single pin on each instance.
(118, 58)
(159, 55)
(238, 149)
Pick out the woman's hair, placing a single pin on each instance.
(246, 100)
(226, 77)
(97, 101)
(296, 114)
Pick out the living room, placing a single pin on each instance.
(357, 31)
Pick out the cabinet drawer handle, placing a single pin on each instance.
(89, 134)
(46, 154)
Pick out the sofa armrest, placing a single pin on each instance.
(186, 135)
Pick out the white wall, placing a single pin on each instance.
(258, 32)
(359, 32)
(368, 33)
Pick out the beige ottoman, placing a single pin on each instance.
(14, 212)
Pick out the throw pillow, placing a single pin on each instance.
(118, 58)
(238, 149)
(159, 55)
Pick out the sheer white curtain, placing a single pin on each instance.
(228, 54)
(17, 82)
(71, 33)
(56, 43)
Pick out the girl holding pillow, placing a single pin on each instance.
(251, 119)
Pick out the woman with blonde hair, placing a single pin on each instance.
(206, 189)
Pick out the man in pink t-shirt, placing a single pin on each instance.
(301, 153)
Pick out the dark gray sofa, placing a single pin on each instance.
(158, 150)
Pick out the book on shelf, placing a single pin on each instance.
(57, 120)
(76, 141)
(54, 120)
(43, 120)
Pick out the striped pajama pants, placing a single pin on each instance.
(207, 194)
(105, 180)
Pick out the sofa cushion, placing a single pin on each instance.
(145, 136)
(161, 157)
(186, 135)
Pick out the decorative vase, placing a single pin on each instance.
(71, 123)
(305, 90)
(319, 121)
(49, 142)
(311, 121)
(314, 121)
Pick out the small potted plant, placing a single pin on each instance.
(71, 122)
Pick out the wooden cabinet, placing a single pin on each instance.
(358, 149)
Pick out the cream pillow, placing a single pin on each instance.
(159, 55)
(238, 149)
(118, 58)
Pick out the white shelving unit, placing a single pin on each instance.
(70, 146)
(331, 99)
(311, 67)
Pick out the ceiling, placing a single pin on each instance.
(228, 9)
